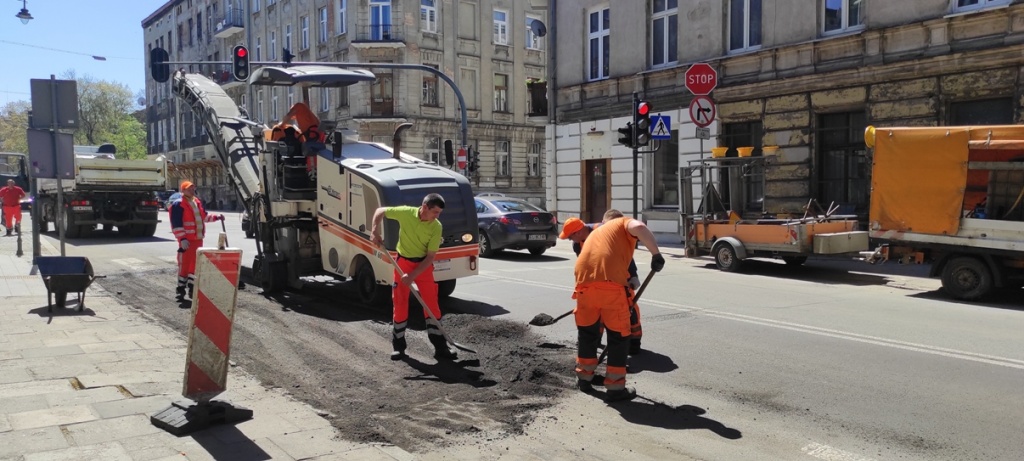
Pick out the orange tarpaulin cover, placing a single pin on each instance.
(918, 179)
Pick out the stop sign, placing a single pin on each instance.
(700, 78)
(462, 159)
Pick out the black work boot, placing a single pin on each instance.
(398, 344)
(441, 349)
(634, 347)
(8, 231)
(17, 228)
(180, 293)
(621, 395)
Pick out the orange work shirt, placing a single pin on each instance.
(606, 254)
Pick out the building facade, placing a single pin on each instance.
(806, 79)
(485, 46)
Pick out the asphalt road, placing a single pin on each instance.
(832, 360)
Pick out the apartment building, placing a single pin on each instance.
(805, 75)
(486, 47)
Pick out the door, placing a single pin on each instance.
(382, 103)
(596, 192)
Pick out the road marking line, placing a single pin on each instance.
(828, 453)
(838, 334)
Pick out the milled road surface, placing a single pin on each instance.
(330, 356)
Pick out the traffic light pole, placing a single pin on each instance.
(636, 158)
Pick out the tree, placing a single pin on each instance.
(13, 126)
(130, 138)
(102, 106)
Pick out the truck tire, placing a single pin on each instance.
(966, 278)
(143, 230)
(726, 258)
(794, 260)
(445, 288)
(44, 226)
(369, 291)
(71, 229)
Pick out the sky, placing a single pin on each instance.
(65, 34)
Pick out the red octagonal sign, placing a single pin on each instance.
(700, 78)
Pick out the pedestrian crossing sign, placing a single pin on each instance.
(661, 127)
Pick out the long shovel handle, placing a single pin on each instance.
(419, 298)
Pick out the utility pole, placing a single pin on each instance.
(636, 157)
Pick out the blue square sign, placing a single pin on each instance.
(661, 127)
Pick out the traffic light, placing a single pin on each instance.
(626, 135)
(240, 63)
(642, 117)
(158, 64)
(287, 56)
(474, 160)
(449, 153)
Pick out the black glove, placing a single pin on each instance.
(657, 262)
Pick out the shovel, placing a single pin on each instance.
(543, 320)
(419, 298)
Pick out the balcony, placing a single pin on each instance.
(388, 35)
(230, 24)
(223, 77)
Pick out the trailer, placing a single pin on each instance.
(311, 206)
(731, 232)
(950, 197)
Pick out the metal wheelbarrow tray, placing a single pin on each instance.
(63, 275)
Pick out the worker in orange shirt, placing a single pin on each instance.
(11, 196)
(188, 223)
(601, 294)
(306, 127)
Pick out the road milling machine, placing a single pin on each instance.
(312, 204)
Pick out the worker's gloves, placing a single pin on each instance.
(183, 243)
(220, 217)
(634, 283)
(657, 262)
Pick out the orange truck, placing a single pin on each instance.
(950, 197)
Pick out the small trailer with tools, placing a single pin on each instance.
(738, 231)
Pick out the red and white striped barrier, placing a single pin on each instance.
(213, 311)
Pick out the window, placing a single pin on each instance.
(428, 16)
(191, 31)
(273, 46)
(501, 153)
(599, 40)
(340, 17)
(291, 97)
(746, 134)
(304, 22)
(744, 25)
(259, 54)
(273, 104)
(841, 15)
(380, 19)
(533, 41)
(533, 160)
(325, 99)
(259, 107)
(255, 6)
(467, 20)
(983, 112)
(288, 37)
(242, 101)
(467, 84)
(968, 5)
(844, 170)
(500, 93)
(430, 88)
(432, 150)
(664, 32)
(322, 12)
(500, 27)
(199, 26)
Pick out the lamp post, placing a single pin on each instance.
(24, 15)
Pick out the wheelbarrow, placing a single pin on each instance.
(63, 275)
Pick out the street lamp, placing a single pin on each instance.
(24, 15)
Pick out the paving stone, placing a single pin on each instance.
(373, 453)
(51, 351)
(5, 426)
(147, 389)
(24, 403)
(309, 444)
(107, 430)
(145, 406)
(51, 417)
(64, 370)
(15, 375)
(84, 397)
(34, 388)
(31, 441)
(9, 355)
(109, 346)
(105, 451)
(113, 379)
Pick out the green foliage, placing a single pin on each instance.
(13, 126)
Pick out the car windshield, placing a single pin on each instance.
(514, 206)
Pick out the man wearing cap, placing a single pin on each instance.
(602, 300)
(577, 231)
(188, 223)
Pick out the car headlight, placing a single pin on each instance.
(467, 237)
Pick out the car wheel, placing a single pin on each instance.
(486, 251)
(726, 258)
(445, 288)
(369, 291)
(966, 278)
(537, 251)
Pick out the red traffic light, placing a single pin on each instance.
(643, 108)
(241, 52)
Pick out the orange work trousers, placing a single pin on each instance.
(400, 293)
(12, 215)
(187, 263)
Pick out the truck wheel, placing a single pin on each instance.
(794, 260)
(369, 291)
(726, 259)
(143, 230)
(71, 230)
(966, 278)
(44, 226)
(445, 288)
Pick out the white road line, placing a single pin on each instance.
(838, 334)
(828, 453)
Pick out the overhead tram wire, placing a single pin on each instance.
(96, 57)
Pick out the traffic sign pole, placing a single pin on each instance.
(636, 156)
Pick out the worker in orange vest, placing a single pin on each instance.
(188, 223)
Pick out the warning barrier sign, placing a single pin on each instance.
(213, 311)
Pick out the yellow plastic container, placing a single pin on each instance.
(745, 151)
(770, 150)
(718, 152)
